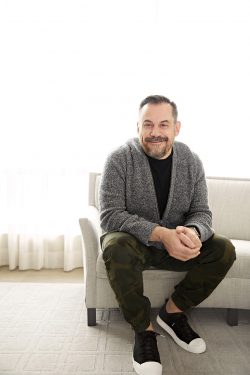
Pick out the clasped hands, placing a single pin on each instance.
(181, 243)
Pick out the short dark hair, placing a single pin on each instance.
(157, 99)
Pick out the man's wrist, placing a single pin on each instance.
(157, 233)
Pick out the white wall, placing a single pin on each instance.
(73, 73)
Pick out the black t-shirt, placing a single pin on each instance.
(161, 172)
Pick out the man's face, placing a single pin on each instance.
(157, 129)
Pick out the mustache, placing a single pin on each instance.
(156, 139)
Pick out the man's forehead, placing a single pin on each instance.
(161, 109)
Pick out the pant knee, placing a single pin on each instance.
(119, 248)
(229, 253)
(227, 250)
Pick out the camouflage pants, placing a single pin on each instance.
(126, 257)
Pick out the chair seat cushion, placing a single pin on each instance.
(240, 268)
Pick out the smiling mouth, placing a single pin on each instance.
(156, 141)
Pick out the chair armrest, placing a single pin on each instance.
(91, 231)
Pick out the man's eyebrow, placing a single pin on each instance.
(147, 121)
(152, 121)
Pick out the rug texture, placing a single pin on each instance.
(43, 331)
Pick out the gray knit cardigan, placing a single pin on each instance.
(128, 200)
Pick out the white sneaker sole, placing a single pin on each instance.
(196, 346)
(147, 368)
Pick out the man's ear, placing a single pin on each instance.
(177, 127)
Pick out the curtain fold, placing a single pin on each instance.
(39, 218)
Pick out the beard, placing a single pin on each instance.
(158, 151)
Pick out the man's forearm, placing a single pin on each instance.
(158, 233)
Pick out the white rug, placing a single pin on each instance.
(43, 331)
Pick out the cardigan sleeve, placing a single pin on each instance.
(199, 214)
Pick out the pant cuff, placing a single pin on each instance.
(180, 302)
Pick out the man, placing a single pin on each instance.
(154, 210)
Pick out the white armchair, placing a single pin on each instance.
(231, 218)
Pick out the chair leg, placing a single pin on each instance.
(232, 317)
(91, 316)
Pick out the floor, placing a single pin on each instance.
(41, 276)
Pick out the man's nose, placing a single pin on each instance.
(155, 131)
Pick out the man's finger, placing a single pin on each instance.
(186, 240)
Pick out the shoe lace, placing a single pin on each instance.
(181, 325)
(149, 346)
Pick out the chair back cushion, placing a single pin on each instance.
(229, 201)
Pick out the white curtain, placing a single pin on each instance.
(39, 218)
(72, 74)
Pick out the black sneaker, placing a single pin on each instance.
(177, 326)
(146, 358)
